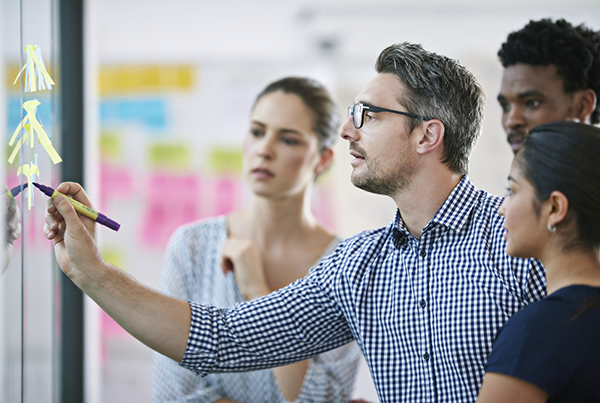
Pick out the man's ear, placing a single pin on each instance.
(584, 105)
(431, 137)
(325, 160)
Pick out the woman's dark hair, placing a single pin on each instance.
(565, 156)
(317, 99)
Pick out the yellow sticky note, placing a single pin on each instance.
(111, 145)
(225, 160)
(169, 155)
(29, 171)
(36, 75)
(126, 79)
(34, 127)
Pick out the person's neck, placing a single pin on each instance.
(276, 220)
(424, 196)
(573, 267)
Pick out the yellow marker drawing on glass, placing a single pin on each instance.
(36, 76)
(30, 129)
(29, 171)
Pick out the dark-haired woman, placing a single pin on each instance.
(238, 257)
(550, 350)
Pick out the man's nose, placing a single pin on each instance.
(348, 131)
(515, 118)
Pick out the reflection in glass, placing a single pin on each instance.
(28, 291)
(11, 225)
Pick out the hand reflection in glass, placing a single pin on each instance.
(11, 230)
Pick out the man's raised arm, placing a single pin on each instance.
(160, 322)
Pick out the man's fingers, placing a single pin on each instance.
(50, 229)
(51, 218)
(67, 211)
(49, 233)
(76, 192)
(61, 213)
(51, 209)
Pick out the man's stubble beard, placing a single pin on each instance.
(390, 186)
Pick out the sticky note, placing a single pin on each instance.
(169, 155)
(136, 79)
(227, 160)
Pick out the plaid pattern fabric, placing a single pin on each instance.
(192, 270)
(423, 311)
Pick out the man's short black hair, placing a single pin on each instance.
(574, 50)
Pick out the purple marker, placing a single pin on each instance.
(81, 208)
(12, 193)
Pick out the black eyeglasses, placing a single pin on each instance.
(357, 113)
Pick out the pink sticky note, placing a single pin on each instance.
(115, 182)
(171, 200)
(227, 196)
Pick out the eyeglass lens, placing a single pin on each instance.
(356, 112)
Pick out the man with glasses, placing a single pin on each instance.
(423, 297)
(551, 73)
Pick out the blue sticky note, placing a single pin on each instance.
(148, 112)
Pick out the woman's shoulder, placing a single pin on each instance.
(205, 227)
(332, 245)
(555, 316)
(549, 344)
(205, 232)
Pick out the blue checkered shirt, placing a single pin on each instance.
(423, 311)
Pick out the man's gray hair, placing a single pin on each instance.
(438, 87)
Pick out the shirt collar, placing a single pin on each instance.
(454, 211)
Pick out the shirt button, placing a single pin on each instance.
(426, 356)
(423, 303)
(423, 253)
